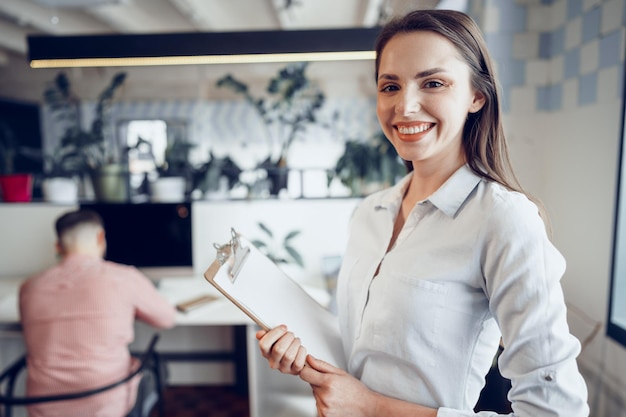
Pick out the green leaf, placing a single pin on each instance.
(295, 255)
(231, 82)
(266, 229)
(259, 244)
(291, 235)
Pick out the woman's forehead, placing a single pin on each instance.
(422, 49)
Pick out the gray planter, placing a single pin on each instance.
(110, 183)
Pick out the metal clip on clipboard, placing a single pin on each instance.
(233, 253)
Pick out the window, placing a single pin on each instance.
(616, 323)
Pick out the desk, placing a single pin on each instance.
(9, 312)
(219, 312)
(271, 393)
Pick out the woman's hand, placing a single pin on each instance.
(282, 349)
(337, 393)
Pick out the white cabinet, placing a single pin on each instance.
(273, 394)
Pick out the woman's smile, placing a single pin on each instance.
(412, 132)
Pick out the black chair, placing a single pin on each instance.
(149, 365)
(493, 397)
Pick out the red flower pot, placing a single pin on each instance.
(16, 187)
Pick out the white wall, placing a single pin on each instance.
(27, 237)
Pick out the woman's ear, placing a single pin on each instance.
(478, 102)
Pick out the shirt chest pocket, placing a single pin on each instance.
(405, 315)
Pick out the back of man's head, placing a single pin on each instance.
(80, 231)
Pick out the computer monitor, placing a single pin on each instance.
(150, 235)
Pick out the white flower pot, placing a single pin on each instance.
(168, 189)
(60, 190)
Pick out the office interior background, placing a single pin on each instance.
(561, 66)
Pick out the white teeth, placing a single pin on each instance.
(413, 129)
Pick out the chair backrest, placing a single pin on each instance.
(148, 360)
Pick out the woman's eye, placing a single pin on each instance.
(433, 84)
(388, 88)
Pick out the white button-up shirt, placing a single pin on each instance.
(473, 263)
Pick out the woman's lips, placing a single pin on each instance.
(413, 131)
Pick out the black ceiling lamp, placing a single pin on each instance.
(199, 48)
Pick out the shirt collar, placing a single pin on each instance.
(453, 193)
(448, 198)
(81, 258)
(391, 198)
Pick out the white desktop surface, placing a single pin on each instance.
(220, 312)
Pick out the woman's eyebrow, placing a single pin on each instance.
(429, 72)
(388, 77)
(421, 74)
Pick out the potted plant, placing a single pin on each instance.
(367, 166)
(291, 105)
(176, 173)
(279, 252)
(86, 153)
(216, 177)
(66, 162)
(14, 186)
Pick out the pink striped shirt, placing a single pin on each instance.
(77, 320)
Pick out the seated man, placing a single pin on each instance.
(78, 318)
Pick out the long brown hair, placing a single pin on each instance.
(484, 141)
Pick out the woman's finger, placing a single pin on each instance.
(317, 370)
(294, 358)
(267, 341)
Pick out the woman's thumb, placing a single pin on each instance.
(320, 365)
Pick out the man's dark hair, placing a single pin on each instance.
(78, 217)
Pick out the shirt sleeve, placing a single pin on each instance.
(522, 272)
(150, 306)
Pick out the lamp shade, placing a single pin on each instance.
(201, 47)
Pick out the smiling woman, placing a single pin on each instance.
(430, 284)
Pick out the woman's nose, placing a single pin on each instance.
(408, 102)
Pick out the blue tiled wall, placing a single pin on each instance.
(581, 43)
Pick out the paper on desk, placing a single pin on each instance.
(266, 294)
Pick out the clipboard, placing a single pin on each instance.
(259, 288)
